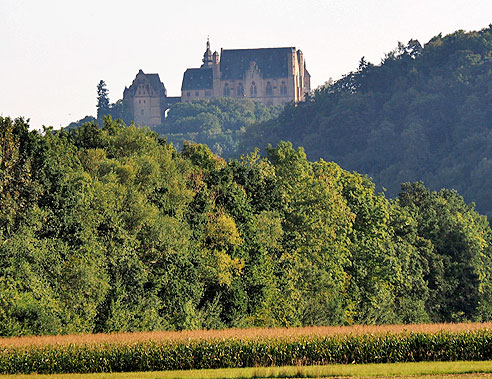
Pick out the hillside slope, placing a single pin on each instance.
(424, 114)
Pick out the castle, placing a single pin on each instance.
(146, 100)
(270, 75)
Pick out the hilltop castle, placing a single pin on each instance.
(271, 76)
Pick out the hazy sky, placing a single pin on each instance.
(54, 52)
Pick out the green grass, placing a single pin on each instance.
(381, 369)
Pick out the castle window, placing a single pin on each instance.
(240, 90)
(142, 112)
(227, 91)
(252, 90)
(208, 93)
(188, 94)
(140, 101)
(283, 88)
(269, 89)
(197, 94)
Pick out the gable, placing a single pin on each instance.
(149, 81)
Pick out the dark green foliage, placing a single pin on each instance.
(104, 108)
(109, 228)
(82, 121)
(423, 114)
(218, 123)
(102, 100)
(258, 352)
(455, 263)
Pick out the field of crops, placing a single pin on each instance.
(245, 348)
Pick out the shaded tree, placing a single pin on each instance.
(102, 106)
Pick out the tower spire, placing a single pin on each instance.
(207, 56)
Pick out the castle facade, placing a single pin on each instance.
(271, 76)
(146, 100)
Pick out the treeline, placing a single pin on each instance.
(423, 114)
(112, 229)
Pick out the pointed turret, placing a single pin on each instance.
(215, 57)
(207, 56)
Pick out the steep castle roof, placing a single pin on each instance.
(153, 80)
(272, 62)
(156, 84)
(198, 78)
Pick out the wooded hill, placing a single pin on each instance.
(424, 113)
(217, 123)
(112, 229)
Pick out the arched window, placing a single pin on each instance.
(283, 88)
(252, 90)
(269, 89)
(227, 90)
(240, 90)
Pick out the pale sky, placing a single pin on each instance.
(54, 52)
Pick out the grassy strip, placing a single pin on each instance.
(356, 370)
(261, 352)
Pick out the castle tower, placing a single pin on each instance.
(145, 99)
(207, 56)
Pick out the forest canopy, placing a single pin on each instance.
(423, 114)
(110, 228)
(217, 123)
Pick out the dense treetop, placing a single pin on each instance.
(112, 229)
(424, 113)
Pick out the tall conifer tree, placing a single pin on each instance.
(102, 100)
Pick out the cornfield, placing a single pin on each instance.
(244, 348)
